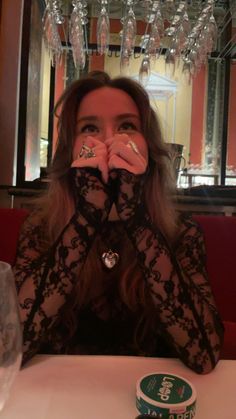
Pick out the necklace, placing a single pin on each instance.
(110, 259)
(112, 236)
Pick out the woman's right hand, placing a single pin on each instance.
(98, 159)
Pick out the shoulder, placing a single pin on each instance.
(34, 218)
(35, 225)
(189, 230)
(187, 223)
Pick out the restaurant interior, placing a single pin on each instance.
(193, 93)
(189, 73)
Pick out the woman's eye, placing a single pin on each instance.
(89, 128)
(127, 126)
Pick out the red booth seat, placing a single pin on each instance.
(220, 238)
(10, 224)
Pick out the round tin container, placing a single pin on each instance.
(170, 396)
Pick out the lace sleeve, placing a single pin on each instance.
(44, 279)
(176, 278)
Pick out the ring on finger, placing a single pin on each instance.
(89, 154)
(134, 147)
(84, 149)
(86, 152)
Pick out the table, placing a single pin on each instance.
(103, 387)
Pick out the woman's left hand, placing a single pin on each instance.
(123, 153)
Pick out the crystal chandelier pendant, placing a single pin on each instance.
(51, 20)
(128, 36)
(190, 32)
(110, 259)
(103, 29)
(77, 32)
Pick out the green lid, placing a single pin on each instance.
(170, 395)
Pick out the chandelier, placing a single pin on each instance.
(178, 30)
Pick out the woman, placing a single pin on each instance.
(104, 264)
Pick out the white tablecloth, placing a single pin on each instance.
(102, 387)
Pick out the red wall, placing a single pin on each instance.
(59, 88)
(198, 110)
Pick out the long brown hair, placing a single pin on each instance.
(58, 206)
(159, 185)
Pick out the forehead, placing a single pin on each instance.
(107, 100)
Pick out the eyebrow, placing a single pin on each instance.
(87, 118)
(128, 115)
(119, 117)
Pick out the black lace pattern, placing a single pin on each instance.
(45, 279)
(176, 278)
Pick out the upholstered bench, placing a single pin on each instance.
(220, 238)
(10, 224)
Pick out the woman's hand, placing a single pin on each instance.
(118, 152)
(93, 153)
(123, 153)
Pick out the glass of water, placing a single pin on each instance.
(10, 332)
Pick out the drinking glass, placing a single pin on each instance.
(144, 71)
(10, 332)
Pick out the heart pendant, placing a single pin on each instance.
(110, 259)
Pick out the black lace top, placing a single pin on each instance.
(184, 321)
